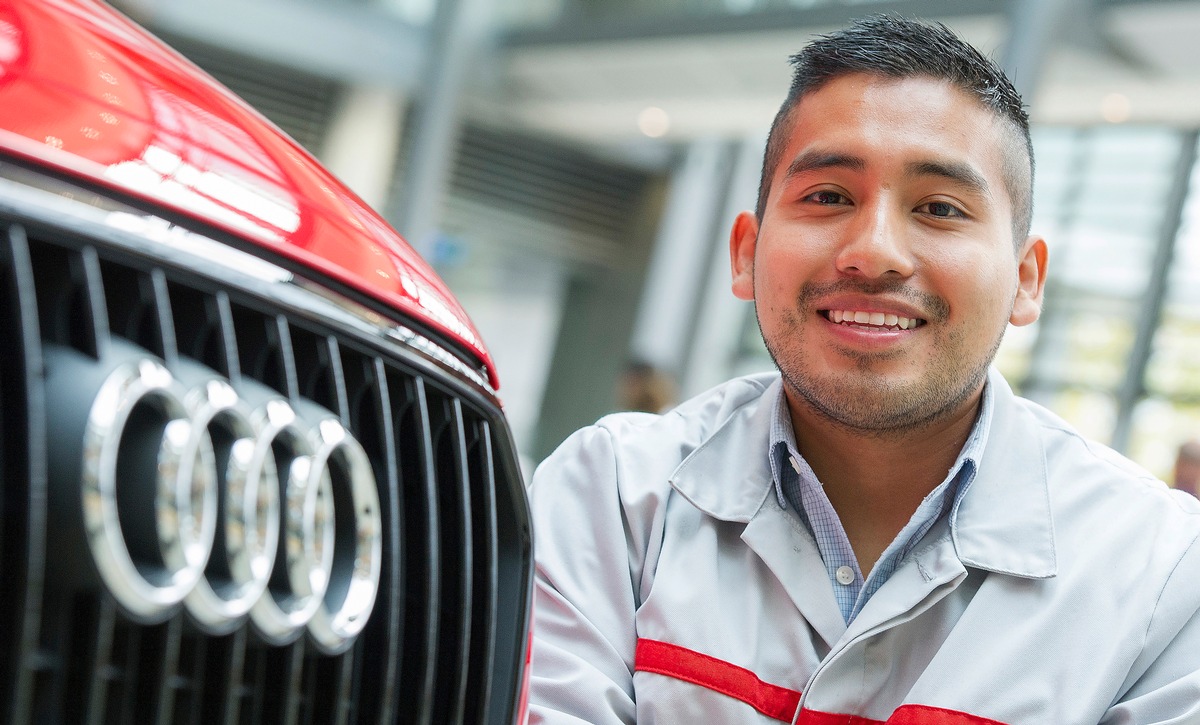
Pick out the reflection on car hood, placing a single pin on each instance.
(86, 91)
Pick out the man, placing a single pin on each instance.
(882, 532)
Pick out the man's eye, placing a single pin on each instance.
(828, 197)
(941, 209)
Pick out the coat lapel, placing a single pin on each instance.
(729, 478)
(1004, 523)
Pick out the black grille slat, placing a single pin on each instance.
(164, 320)
(281, 684)
(370, 406)
(514, 551)
(74, 616)
(221, 664)
(422, 554)
(328, 688)
(160, 688)
(454, 637)
(102, 671)
(437, 648)
(137, 309)
(486, 583)
(69, 297)
(261, 343)
(319, 370)
(23, 494)
(253, 689)
(351, 708)
(203, 327)
(187, 687)
(51, 662)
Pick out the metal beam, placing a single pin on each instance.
(458, 37)
(1033, 26)
(354, 43)
(580, 26)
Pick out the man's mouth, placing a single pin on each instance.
(871, 319)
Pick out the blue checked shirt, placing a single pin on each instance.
(799, 490)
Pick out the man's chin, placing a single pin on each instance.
(878, 405)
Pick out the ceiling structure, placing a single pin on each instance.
(590, 72)
(1134, 62)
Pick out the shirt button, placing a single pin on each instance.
(845, 575)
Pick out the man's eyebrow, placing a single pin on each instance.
(957, 172)
(816, 160)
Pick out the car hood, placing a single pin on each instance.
(91, 94)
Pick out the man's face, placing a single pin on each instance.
(883, 271)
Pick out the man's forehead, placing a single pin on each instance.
(838, 123)
(916, 92)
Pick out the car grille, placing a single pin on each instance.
(445, 639)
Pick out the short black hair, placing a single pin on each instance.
(895, 47)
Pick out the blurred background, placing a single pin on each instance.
(571, 168)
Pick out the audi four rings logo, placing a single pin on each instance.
(255, 513)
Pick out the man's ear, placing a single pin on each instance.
(1031, 281)
(742, 239)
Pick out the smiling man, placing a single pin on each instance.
(882, 531)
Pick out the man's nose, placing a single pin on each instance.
(876, 244)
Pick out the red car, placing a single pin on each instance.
(252, 463)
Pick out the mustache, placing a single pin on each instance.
(934, 307)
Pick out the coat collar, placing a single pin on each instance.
(1002, 523)
(729, 475)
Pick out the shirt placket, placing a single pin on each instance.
(822, 520)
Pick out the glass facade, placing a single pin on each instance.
(1170, 410)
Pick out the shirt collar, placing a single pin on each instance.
(783, 444)
(1004, 525)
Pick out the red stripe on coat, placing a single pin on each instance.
(927, 715)
(904, 715)
(775, 702)
(739, 683)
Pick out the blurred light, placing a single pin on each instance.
(1115, 108)
(653, 121)
(740, 6)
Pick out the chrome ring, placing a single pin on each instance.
(248, 521)
(351, 593)
(142, 452)
(302, 562)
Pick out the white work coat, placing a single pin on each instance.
(672, 588)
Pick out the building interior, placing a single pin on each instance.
(571, 168)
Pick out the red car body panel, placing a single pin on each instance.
(126, 112)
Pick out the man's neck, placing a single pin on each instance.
(876, 481)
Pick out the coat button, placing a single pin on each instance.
(845, 575)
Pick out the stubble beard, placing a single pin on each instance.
(868, 402)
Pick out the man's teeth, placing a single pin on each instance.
(878, 319)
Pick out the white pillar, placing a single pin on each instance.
(681, 253)
(721, 317)
(363, 138)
